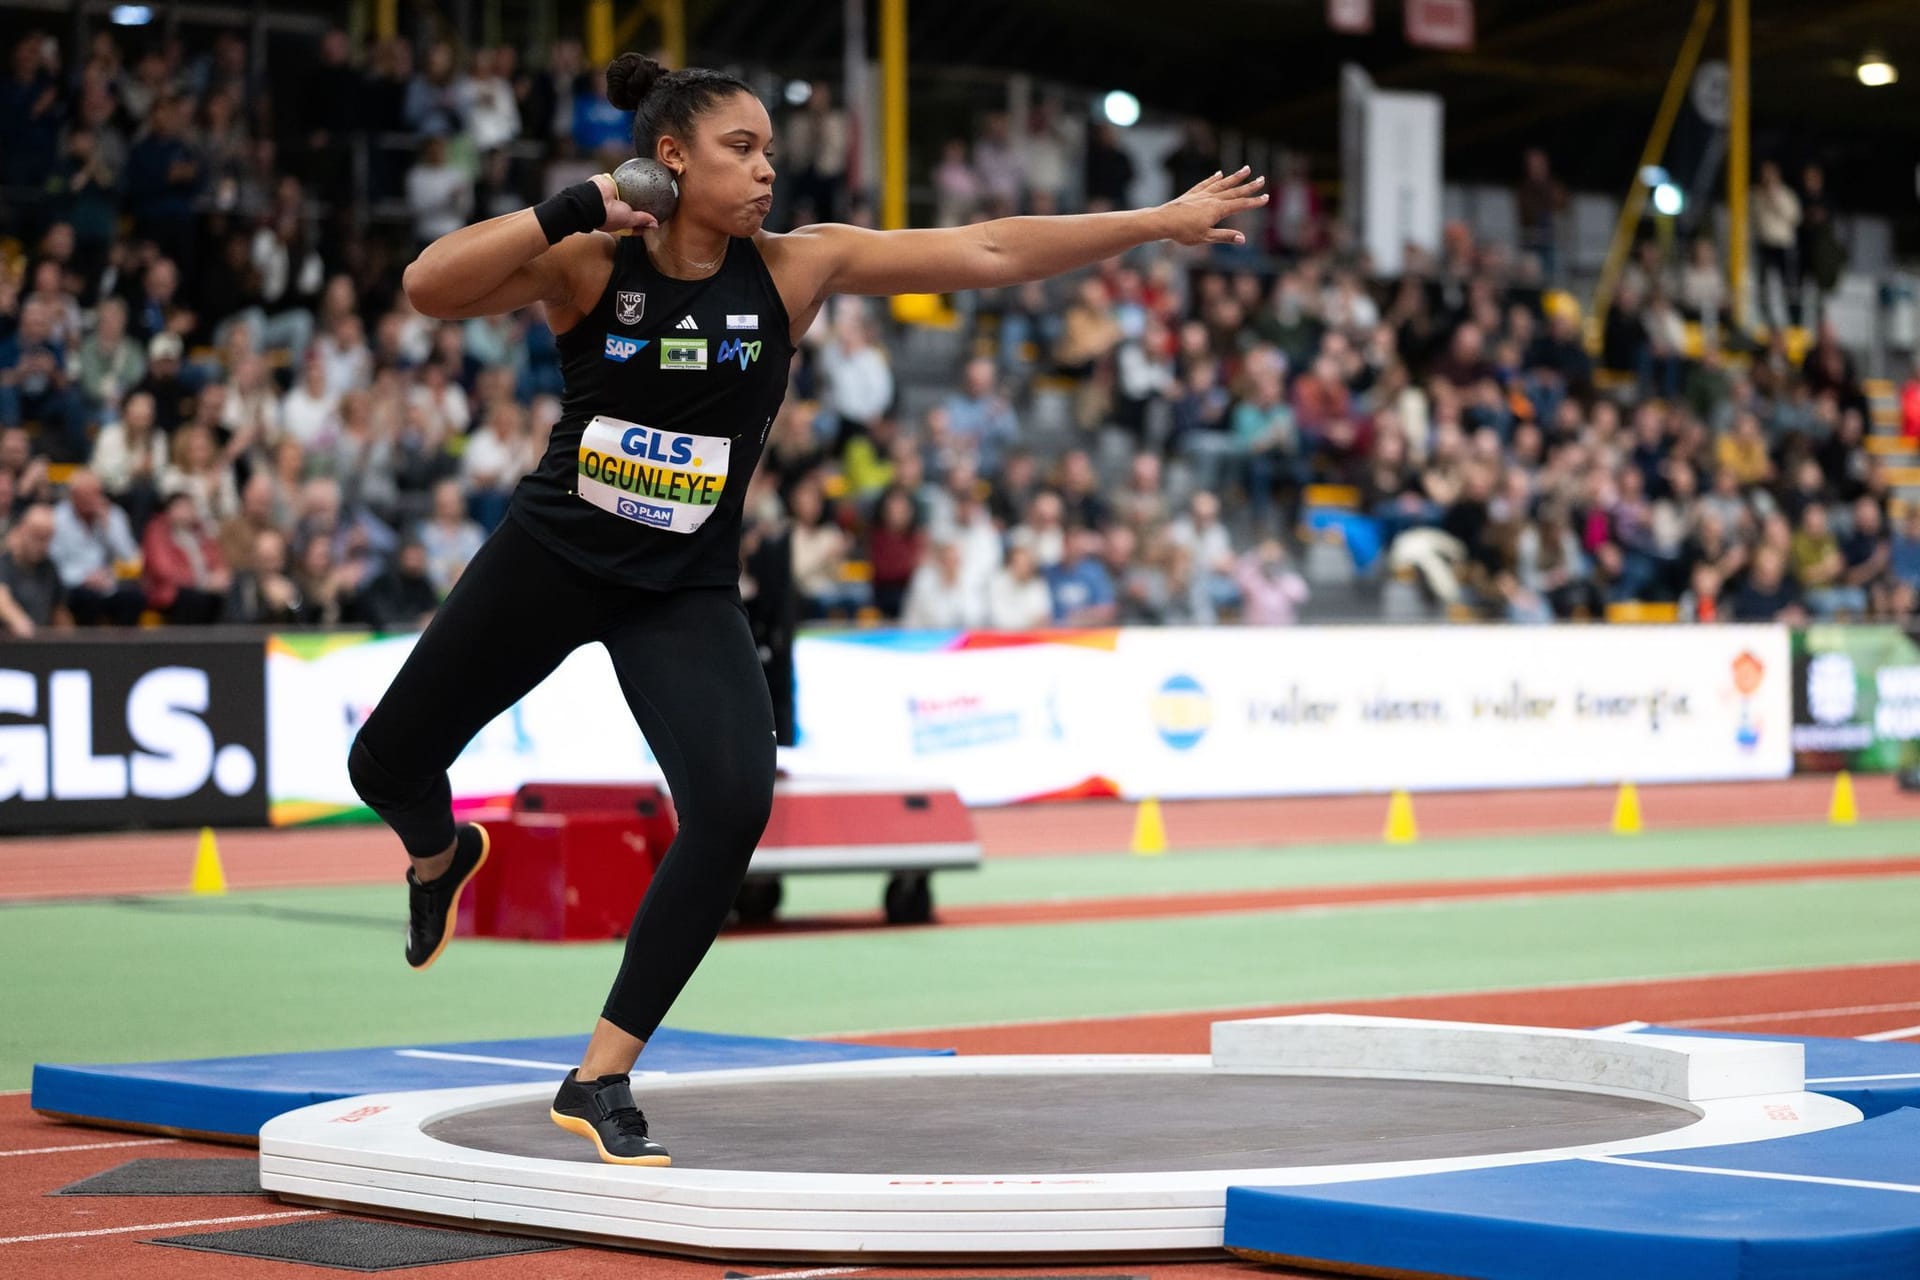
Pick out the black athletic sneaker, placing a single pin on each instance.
(430, 906)
(603, 1110)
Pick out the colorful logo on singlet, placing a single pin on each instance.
(668, 480)
(737, 349)
(683, 353)
(620, 350)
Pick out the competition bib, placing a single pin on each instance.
(662, 479)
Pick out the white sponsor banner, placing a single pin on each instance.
(573, 727)
(1152, 712)
(996, 724)
(1177, 712)
(1246, 712)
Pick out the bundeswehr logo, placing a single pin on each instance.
(629, 306)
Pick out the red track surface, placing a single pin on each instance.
(1236, 901)
(161, 862)
(1848, 1001)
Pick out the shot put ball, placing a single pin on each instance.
(649, 186)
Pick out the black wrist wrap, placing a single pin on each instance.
(579, 207)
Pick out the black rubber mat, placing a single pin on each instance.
(350, 1244)
(1121, 1122)
(221, 1176)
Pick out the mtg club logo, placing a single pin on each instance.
(62, 740)
(1182, 712)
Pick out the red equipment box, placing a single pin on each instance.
(570, 863)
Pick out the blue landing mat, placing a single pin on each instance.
(1604, 1220)
(1877, 1078)
(233, 1097)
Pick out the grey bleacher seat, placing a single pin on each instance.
(1327, 562)
(1403, 599)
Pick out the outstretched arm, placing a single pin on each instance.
(832, 258)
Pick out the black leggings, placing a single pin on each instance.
(691, 675)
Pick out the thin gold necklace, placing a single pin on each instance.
(697, 266)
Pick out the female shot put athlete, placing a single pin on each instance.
(675, 343)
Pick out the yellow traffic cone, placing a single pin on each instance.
(1149, 829)
(1843, 812)
(1626, 811)
(208, 876)
(1401, 828)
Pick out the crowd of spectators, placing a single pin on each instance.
(217, 405)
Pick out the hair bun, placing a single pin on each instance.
(629, 77)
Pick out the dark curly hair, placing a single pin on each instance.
(664, 101)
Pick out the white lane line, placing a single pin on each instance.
(89, 1146)
(1838, 1012)
(1898, 1033)
(163, 1226)
(1907, 1187)
(531, 1064)
(436, 1056)
(1626, 1026)
(811, 1275)
(1898, 1075)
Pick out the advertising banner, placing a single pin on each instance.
(573, 727)
(1245, 712)
(1856, 699)
(1167, 713)
(98, 734)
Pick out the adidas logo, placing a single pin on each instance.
(686, 322)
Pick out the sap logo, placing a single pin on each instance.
(620, 350)
(646, 512)
(735, 349)
(164, 716)
(656, 446)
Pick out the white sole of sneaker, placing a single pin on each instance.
(574, 1124)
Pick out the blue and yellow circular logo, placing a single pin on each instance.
(1182, 712)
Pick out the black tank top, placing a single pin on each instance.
(671, 388)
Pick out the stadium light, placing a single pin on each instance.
(130, 15)
(1668, 199)
(1122, 108)
(1652, 176)
(798, 92)
(1875, 71)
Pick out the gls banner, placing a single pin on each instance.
(101, 733)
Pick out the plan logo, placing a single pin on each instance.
(737, 349)
(620, 350)
(649, 513)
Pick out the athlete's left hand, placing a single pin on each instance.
(1196, 216)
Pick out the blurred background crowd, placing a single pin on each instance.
(216, 404)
